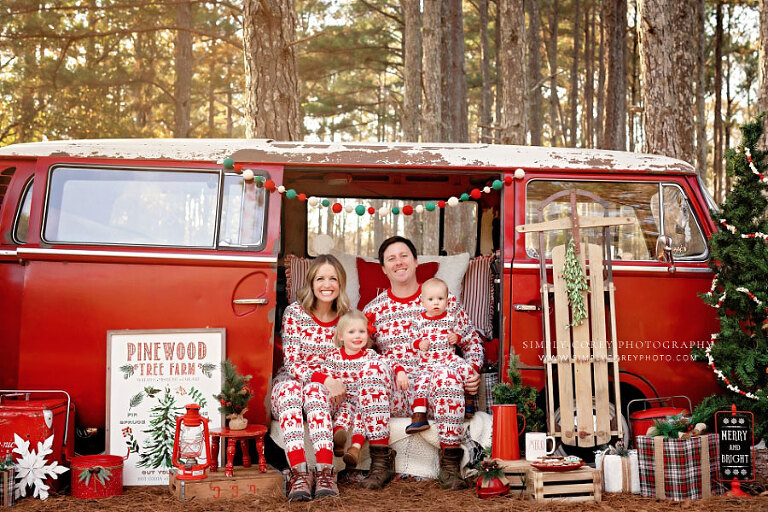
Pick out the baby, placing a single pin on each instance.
(434, 342)
(347, 364)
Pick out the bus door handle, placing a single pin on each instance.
(526, 307)
(259, 301)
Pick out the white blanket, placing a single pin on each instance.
(417, 454)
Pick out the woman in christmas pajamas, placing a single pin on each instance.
(392, 314)
(307, 335)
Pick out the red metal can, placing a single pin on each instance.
(97, 476)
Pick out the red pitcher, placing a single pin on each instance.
(505, 444)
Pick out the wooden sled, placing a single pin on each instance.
(581, 354)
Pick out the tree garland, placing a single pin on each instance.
(576, 284)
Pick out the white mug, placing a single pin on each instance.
(536, 445)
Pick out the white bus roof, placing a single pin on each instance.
(453, 155)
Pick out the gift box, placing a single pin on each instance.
(678, 469)
(620, 474)
(7, 477)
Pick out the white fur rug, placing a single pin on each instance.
(417, 454)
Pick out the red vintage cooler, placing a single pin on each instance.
(34, 415)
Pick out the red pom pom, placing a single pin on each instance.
(407, 209)
(508, 179)
(238, 167)
(475, 193)
(302, 197)
(337, 207)
(371, 210)
(269, 185)
(441, 204)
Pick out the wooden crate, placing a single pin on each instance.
(245, 481)
(517, 474)
(571, 486)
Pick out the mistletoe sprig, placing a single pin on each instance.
(576, 285)
(102, 475)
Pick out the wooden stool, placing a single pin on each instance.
(250, 432)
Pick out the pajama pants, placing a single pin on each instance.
(290, 402)
(429, 371)
(380, 399)
(346, 416)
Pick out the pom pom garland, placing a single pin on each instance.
(281, 189)
(336, 208)
(453, 201)
(269, 185)
(313, 201)
(228, 163)
(519, 174)
(248, 175)
(475, 194)
(407, 210)
(290, 194)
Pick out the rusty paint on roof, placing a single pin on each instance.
(441, 155)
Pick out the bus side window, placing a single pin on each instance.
(242, 213)
(21, 224)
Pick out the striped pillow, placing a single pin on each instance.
(477, 295)
(295, 272)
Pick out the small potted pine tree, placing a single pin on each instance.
(234, 396)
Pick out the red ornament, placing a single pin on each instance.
(371, 210)
(508, 179)
(337, 207)
(269, 185)
(441, 204)
(407, 209)
(475, 193)
(302, 197)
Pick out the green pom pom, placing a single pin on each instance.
(290, 194)
(497, 184)
(464, 197)
(395, 210)
(325, 202)
(360, 209)
(229, 163)
(258, 179)
(430, 206)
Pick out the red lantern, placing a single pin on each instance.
(191, 437)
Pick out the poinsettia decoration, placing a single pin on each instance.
(32, 468)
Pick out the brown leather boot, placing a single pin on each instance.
(449, 474)
(382, 467)
(351, 456)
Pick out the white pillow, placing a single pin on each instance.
(452, 270)
(349, 262)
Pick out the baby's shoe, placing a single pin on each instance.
(418, 423)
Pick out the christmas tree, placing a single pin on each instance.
(513, 392)
(739, 352)
(158, 447)
(235, 392)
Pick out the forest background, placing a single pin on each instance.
(667, 77)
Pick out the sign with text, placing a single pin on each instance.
(735, 437)
(151, 376)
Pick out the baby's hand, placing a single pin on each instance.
(423, 344)
(453, 338)
(402, 381)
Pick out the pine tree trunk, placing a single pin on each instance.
(182, 90)
(499, 81)
(554, 102)
(614, 131)
(431, 111)
(600, 80)
(411, 69)
(589, 82)
(717, 159)
(573, 93)
(513, 68)
(762, 88)
(667, 68)
(271, 76)
(728, 99)
(634, 84)
(453, 79)
(534, 72)
(701, 117)
(487, 99)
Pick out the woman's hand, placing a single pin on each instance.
(472, 385)
(336, 388)
(402, 381)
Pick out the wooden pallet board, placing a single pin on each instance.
(217, 486)
(569, 486)
(516, 473)
(563, 344)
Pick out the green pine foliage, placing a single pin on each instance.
(741, 348)
(158, 447)
(513, 392)
(235, 392)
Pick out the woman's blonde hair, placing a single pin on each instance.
(307, 297)
(346, 319)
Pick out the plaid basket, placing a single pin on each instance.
(484, 393)
(7, 477)
(678, 469)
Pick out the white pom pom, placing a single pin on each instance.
(519, 174)
(486, 190)
(281, 189)
(313, 201)
(419, 208)
(383, 211)
(349, 208)
(247, 175)
(453, 201)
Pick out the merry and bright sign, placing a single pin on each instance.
(151, 376)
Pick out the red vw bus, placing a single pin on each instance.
(107, 235)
